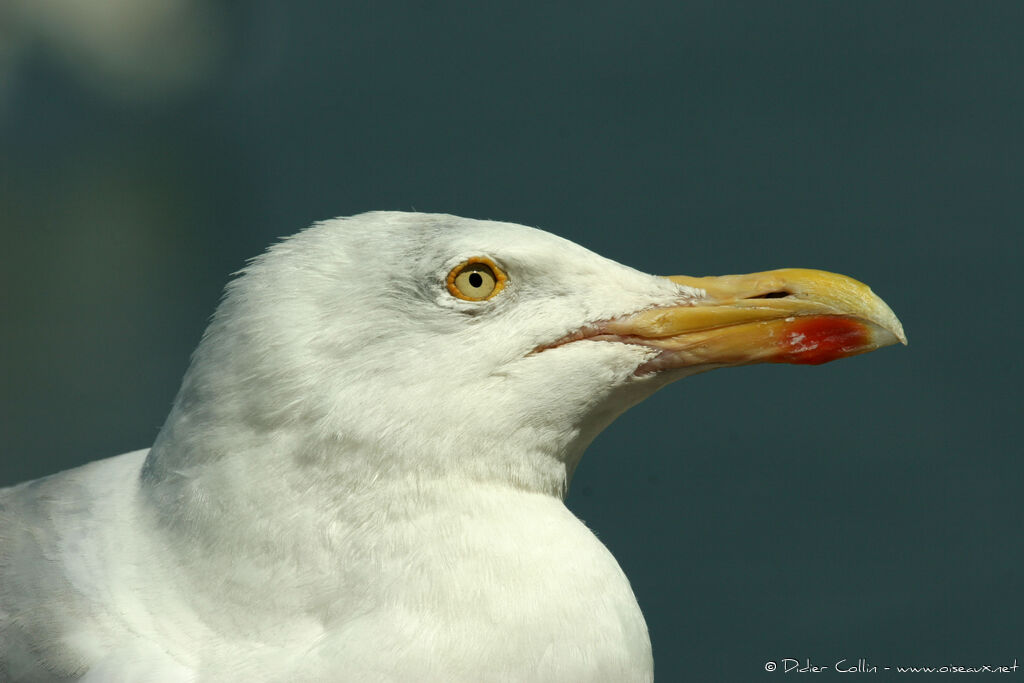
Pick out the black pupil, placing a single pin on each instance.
(475, 279)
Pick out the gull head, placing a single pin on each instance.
(414, 345)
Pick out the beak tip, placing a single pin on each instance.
(884, 317)
(897, 331)
(891, 334)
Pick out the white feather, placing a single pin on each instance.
(361, 479)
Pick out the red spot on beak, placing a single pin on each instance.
(820, 339)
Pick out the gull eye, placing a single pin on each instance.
(476, 279)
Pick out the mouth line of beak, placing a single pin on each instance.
(617, 330)
(829, 337)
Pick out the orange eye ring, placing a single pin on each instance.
(476, 279)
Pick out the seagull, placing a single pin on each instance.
(363, 473)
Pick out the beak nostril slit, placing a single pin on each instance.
(781, 294)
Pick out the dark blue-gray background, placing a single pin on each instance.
(867, 508)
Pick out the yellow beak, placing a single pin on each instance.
(792, 315)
